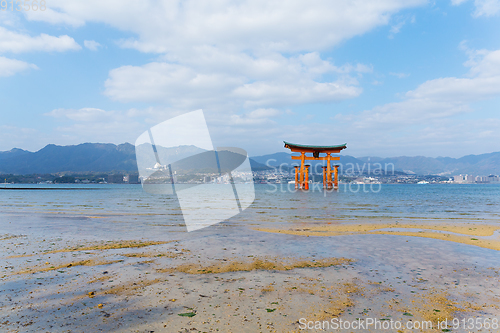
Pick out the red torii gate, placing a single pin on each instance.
(302, 174)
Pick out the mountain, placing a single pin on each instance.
(100, 157)
(12, 153)
(95, 157)
(484, 164)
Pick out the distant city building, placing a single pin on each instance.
(116, 179)
(493, 178)
(464, 179)
(469, 179)
(131, 179)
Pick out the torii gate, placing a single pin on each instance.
(302, 174)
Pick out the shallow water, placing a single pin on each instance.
(126, 211)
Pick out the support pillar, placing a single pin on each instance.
(328, 171)
(296, 177)
(324, 176)
(336, 176)
(302, 161)
(306, 184)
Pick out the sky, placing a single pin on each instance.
(387, 77)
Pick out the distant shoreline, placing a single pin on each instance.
(48, 188)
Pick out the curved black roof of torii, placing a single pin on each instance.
(314, 148)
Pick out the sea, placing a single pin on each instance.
(125, 211)
(42, 219)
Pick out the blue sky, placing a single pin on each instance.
(388, 77)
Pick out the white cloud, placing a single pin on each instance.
(437, 99)
(487, 66)
(9, 67)
(483, 7)
(54, 16)
(255, 117)
(407, 113)
(483, 82)
(306, 91)
(83, 114)
(256, 25)
(263, 67)
(255, 53)
(396, 28)
(9, 18)
(91, 45)
(263, 26)
(264, 55)
(457, 2)
(431, 120)
(399, 22)
(486, 8)
(166, 82)
(214, 53)
(239, 78)
(95, 125)
(461, 90)
(20, 137)
(14, 42)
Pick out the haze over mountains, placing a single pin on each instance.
(99, 157)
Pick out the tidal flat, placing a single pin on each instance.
(230, 278)
(116, 259)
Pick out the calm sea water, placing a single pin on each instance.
(129, 212)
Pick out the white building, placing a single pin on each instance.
(493, 179)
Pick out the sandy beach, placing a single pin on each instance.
(232, 278)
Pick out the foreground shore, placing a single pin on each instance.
(230, 278)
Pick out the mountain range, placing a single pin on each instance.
(100, 157)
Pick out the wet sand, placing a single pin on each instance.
(483, 235)
(230, 278)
